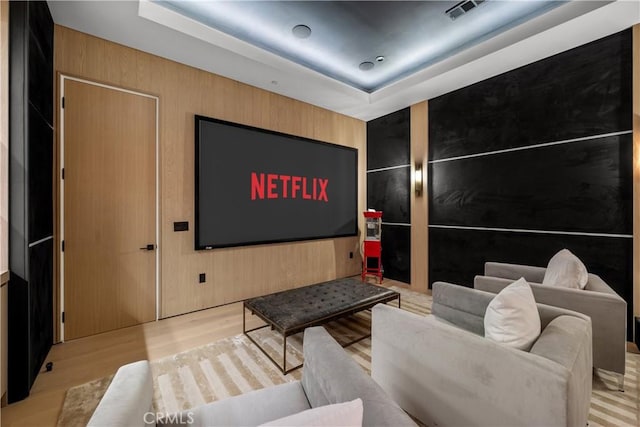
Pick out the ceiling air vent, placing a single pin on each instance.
(463, 7)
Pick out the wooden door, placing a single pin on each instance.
(109, 208)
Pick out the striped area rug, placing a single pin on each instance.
(234, 366)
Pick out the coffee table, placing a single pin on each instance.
(289, 312)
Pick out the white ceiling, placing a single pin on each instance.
(161, 31)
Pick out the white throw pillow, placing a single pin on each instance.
(339, 414)
(512, 316)
(566, 270)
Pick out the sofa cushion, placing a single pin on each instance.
(566, 270)
(347, 414)
(512, 316)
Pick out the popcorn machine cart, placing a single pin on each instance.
(372, 251)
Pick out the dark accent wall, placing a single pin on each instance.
(389, 145)
(30, 315)
(565, 175)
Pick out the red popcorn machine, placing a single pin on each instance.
(372, 249)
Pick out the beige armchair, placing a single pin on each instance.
(443, 371)
(608, 311)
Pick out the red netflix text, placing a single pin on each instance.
(275, 186)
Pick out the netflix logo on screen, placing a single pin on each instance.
(275, 186)
(255, 186)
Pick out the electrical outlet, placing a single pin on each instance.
(203, 278)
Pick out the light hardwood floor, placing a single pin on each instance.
(85, 359)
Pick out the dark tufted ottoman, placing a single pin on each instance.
(291, 311)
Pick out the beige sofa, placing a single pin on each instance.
(608, 311)
(443, 371)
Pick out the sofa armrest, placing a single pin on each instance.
(608, 313)
(566, 340)
(458, 306)
(607, 310)
(128, 398)
(596, 284)
(572, 299)
(444, 375)
(331, 376)
(514, 271)
(491, 284)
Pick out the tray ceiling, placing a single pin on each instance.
(425, 51)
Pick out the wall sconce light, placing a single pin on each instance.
(417, 179)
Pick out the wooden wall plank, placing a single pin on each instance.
(232, 273)
(419, 205)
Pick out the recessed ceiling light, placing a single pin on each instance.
(366, 66)
(301, 31)
(380, 58)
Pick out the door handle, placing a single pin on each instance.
(149, 247)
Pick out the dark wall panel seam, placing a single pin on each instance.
(525, 230)
(37, 110)
(533, 146)
(387, 168)
(37, 242)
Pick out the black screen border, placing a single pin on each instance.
(199, 245)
